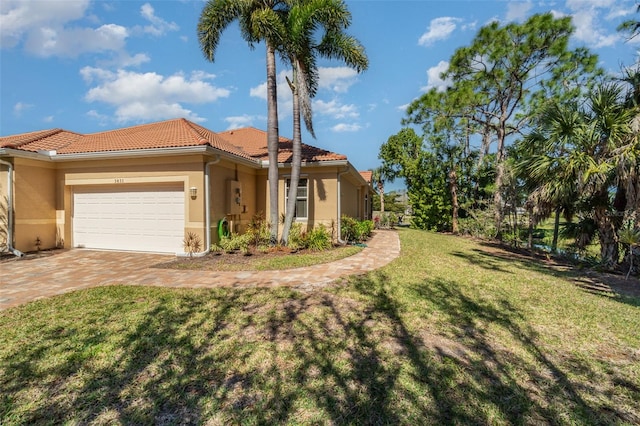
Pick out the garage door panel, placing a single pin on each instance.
(129, 218)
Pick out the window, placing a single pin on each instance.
(302, 200)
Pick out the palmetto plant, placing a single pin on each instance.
(630, 237)
(584, 153)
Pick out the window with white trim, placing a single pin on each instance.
(302, 199)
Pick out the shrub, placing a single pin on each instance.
(393, 220)
(318, 239)
(355, 231)
(236, 242)
(365, 228)
(349, 229)
(259, 230)
(192, 243)
(296, 237)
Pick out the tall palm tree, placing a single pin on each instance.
(260, 20)
(301, 50)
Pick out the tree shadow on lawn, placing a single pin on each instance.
(158, 356)
(501, 258)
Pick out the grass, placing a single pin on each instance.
(452, 332)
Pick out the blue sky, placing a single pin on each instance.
(89, 66)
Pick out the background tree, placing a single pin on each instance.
(378, 176)
(496, 76)
(391, 202)
(260, 20)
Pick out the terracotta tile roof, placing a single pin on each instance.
(367, 175)
(164, 134)
(47, 140)
(254, 142)
(249, 143)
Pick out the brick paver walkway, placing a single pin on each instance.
(25, 280)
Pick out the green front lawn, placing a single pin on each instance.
(451, 332)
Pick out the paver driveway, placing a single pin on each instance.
(24, 280)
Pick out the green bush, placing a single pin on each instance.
(349, 229)
(296, 237)
(259, 230)
(365, 228)
(355, 231)
(479, 224)
(236, 242)
(318, 239)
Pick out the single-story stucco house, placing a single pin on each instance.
(144, 188)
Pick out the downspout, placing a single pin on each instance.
(340, 240)
(207, 211)
(10, 210)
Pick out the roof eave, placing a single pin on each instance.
(132, 153)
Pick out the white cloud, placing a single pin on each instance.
(344, 127)
(20, 107)
(158, 25)
(285, 98)
(50, 41)
(586, 15)
(95, 115)
(18, 18)
(434, 79)
(335, 110)
(48, 119)
(337, 79)
(240, 121)
(48, 28)
(150, 96)
(517, 11)
(439, 29)
(44, 28)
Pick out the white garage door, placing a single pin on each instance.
(141, 218)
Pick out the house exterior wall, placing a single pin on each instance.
(221, 175)
(34, 205)
(321, 193)
(44, 193)
(350, 199)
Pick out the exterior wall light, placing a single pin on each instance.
(193, 192)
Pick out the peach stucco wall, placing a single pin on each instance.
(44, 193)
(34, 205)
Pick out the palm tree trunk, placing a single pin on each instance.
(272, 141)
(296, 161)
(381, 192)
(607, 234)
(556, 231)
